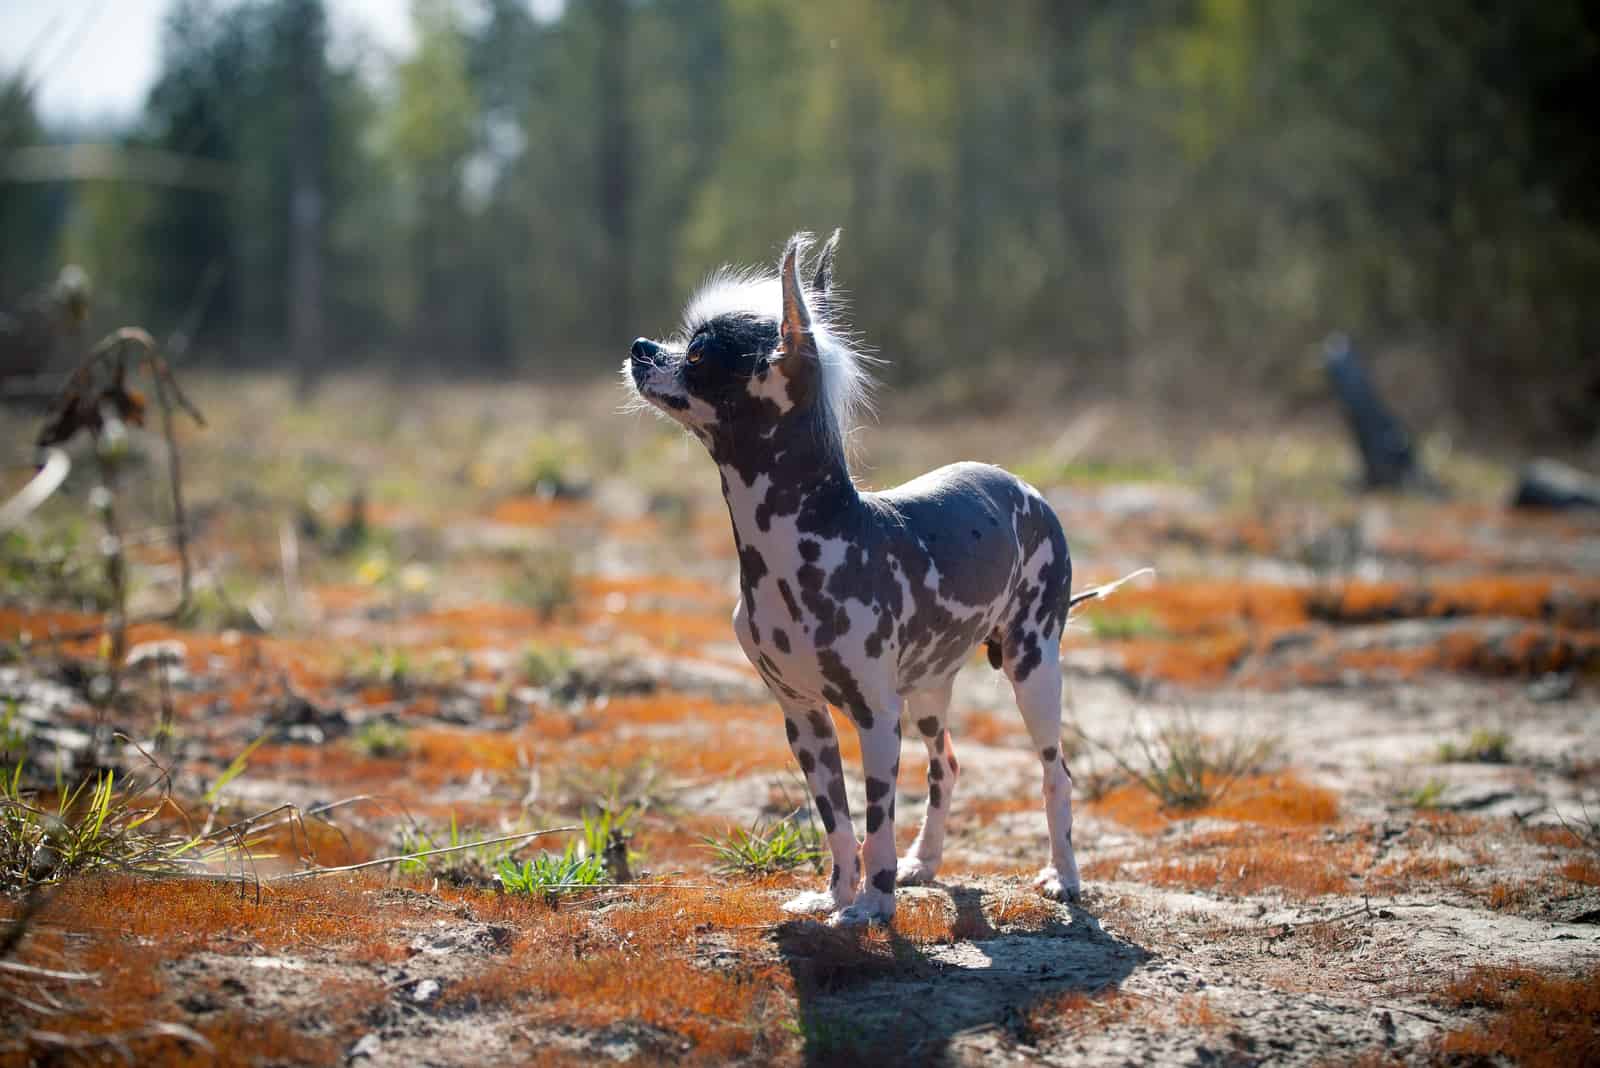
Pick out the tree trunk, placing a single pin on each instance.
(614, 157)
(306, 199)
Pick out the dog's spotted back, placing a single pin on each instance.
(869, 602)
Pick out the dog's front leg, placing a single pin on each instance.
(816, 747)
(880, 761)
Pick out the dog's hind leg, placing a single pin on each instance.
(928, 710)
(816, 747)
(879, 731)
(1039, 697)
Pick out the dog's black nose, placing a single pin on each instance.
(645, 350)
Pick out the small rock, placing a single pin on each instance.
(1552, 687)
(366, 1046)
(425, 991)
(168, 652)
(1554, 485)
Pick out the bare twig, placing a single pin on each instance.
(120, 1042)
(18, 968)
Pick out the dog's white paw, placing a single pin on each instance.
(811, 903)
(914, 871)
(1050, 884)
(864, 912)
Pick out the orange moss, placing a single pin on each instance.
(1204, 660)
(668, 707)
(723, 757)
(313, 841)
(924, 920)
(669, 630)
(1075, 1010)
(1411, 873)
(123, 929)
(187, 914)
(1535, 649)
(985, 809)
(1282, 799)
(1504, 896)
(574, 968)
(707, 594)
(1026, 910)
(1247, 860)
(1539, 1021)
(437, 755)
(1250, 871)
(1585, 870)
(1554, 599)
(1196, 1010)
(986, 728)
(344, 599)
(1195, 608)
(536, 511)
(1551, 835)
(1448, 825)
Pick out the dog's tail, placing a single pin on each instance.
(1093, 593)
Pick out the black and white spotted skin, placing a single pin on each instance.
(869, 602)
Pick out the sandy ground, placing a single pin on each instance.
(531, 624)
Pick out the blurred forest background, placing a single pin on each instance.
(1142, 195)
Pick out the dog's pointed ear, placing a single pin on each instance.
(822, 281)
(797, 345)
(796, 327)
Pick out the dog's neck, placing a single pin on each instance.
(785, 471)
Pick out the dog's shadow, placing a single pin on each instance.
(875, 996)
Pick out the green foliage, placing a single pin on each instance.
(552, 874)
(471, 864)
(49, 568)
(545, 665)
(387, 665)
(236, 767)
(380, 738)
(1172, 192)
(97, 825)
(545, 581)
(765, 848)
(1483, 746)
(1427, 795)
(1122, 626)
(13, 743)
(598, 828)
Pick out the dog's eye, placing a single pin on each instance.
(696, 350)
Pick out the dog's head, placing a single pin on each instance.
(755, 350)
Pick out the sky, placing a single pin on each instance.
(93, 60)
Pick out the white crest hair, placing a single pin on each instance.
(847, 384)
